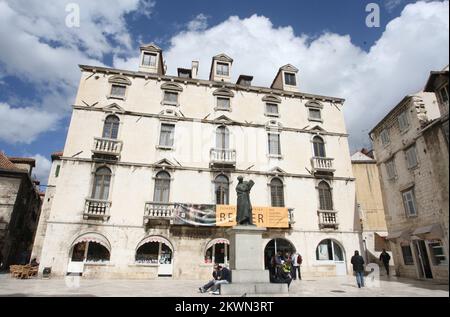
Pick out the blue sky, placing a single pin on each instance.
(337, 54)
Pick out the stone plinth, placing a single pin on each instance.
(247, 264)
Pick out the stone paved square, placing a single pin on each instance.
(166, 287)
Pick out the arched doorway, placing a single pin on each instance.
(277, 245)
(88, 248)
(156, 250)
(329, 250)
(217, 251)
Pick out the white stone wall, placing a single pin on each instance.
(132, 181)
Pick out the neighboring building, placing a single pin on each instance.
(145, 151)
(412, 156)
(20, 205)
(369, 202)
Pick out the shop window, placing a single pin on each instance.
(437, 252)
(328, 250)
(90, 252)
(154, 253)
(217, 253)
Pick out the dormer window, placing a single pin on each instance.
(149, 59)
(289, 79)
(223, 69)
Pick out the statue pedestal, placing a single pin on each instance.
(247, 264)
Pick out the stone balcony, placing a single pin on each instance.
(96, 209)
(322, 164)
(328, 219)
(158, 211)
(107, 147)
(222, 157)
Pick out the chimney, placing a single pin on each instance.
(194, 69)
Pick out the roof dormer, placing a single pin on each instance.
(151, 60)
(286, 78)
(221, 68)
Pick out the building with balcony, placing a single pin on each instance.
(146, 181)
(411, 145)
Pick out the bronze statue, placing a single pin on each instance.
(244, 206)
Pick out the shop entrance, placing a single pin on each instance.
(274, 246)
(423, 259)
(156, 250)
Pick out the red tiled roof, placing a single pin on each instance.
(26, 160)
(57, 155)
(6, 164)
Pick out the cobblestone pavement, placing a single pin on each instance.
(166, 287)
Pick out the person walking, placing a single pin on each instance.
(358, 267)
(385, 258)
(296, 263)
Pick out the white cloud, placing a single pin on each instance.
(42, 169)
(38, 48)
(24, 124)
(372, 82)
(199, 23)
(392, 4)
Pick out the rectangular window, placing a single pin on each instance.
(223, 103)
(118, 90)
(272, 108)
(170, 98)
(58, 167)
(314, 114)
(149, 59)
(409, 201)
(289, 79)
(222, 69)
(437, 252)
(443, 96)
(411, 157)
(403, 121)
(407, 255)
(384, 135)
(167, 135)
(390, 169)
(274, 144)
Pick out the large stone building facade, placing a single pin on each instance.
(142, 144)
(412, 155)
(20, 207)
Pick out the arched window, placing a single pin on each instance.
(329, 250)
(222, 137)
(90, 248)
(325, 198)
(222, 190)
(155, 250)
(102, 182)
(162, 187)
(277, 192)
(319, 147)
(111, 127)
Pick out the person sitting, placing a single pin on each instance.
(210, 284)
(34, 263)
(223, 278)
(284, 273)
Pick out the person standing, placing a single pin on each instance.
(296, 263)
(358, 267)
(385, 258)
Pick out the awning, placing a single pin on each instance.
(433, 231)
(397, 234)
(93, 237)
(216, 241)
(156, 239)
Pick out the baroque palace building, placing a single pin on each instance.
(145, 186)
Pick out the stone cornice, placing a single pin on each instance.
(215, 122)
(202, 169)
(217, 84)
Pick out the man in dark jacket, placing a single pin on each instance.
(385, 258)
(358, 267)
(223, 278)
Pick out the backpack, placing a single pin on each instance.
(299, 259)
